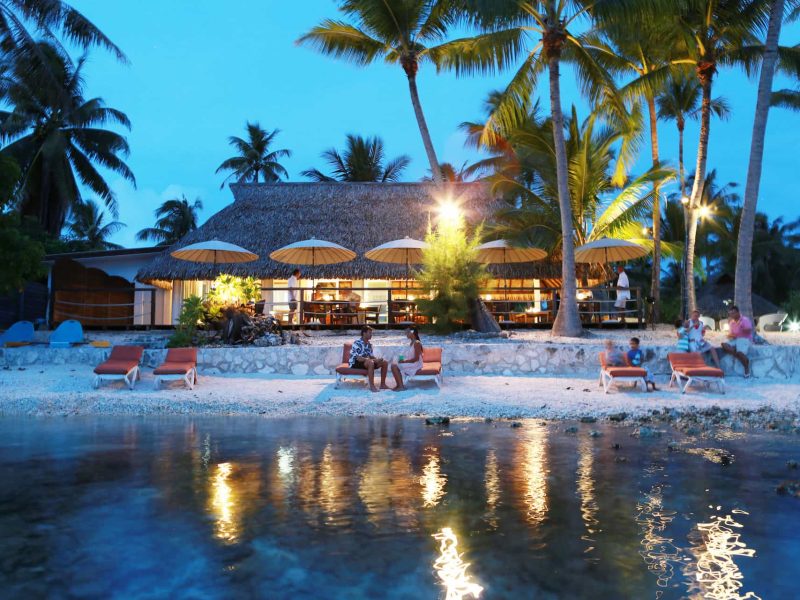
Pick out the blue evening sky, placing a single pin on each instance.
(199, 69)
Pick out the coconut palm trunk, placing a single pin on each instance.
(655, 284)
(567, 322)
(410, 67)
(705, 73)
(744, 252)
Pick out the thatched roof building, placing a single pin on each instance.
(359, 216)
(714, 298)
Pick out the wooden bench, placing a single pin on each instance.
(431, 367)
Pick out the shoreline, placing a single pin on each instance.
(67, 390)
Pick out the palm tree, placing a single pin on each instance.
(404, 32)
(599, 208)
(46, 19)
(255, 160)
(86, 230)
(716, 33)
(58, 139)
(175, 218)
(743, 280)
(509, 24)
(361, 160)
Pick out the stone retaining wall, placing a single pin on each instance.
(769, 362)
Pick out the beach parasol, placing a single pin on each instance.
(214, 251)
(312, 252)
(502, 252)
(406, 251)
(606, 250)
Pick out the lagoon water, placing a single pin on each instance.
(241, 507)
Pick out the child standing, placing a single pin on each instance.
(635, 358)
(682, 331)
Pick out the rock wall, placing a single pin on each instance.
(768, 362)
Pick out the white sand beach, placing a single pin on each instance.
(67, 390)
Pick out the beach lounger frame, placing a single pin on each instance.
(431, 368)
(610, 376)
(689, 368)
(123, 361)
(180, 364)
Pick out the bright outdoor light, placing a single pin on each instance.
(449, 212)
(703, 212)
(645, 231)
(794, 326)
(685, 200)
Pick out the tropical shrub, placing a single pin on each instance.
(193, 314)
(450, 277)
(229, 290)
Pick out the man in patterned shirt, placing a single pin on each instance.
(362, 356)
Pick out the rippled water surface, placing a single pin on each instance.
(388, 508)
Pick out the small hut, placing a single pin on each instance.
(714, 298)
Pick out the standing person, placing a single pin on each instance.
(697, 340)
(623, 289)
(410, 363)
(740, 338)
(294, 287)
(362, 356)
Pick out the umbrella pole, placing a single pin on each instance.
(408, 268)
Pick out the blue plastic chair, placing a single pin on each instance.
(20, 332)
(68, 333)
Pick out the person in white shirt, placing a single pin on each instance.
(623, 289)
(294, 286)
(697, 340)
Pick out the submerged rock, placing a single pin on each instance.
(437, 421)
(792, 464)
(588, 419)
(516, 424)
(789, 488)
(595, 434)
(620, 459)
(646, 432)
(571, 429)
(618, 417)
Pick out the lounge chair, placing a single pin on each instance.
(771, 322)
(68, 333)
(19, 334)
(691, 367)
(180, 364)
(614, 375)
(122, 363)
(431, 367)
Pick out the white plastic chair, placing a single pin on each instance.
(771, 322)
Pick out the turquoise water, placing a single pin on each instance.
(240, 507)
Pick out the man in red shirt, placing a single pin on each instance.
(740, 338)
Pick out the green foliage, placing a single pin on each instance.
(22, 255)
(362, 160)
(451, 273)
(229, 290)
(176, 218)
(792, 305)
(193, 314)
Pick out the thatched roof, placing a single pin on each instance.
(359, 216)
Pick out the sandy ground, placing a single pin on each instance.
(67, 390)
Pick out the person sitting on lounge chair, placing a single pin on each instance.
(409, 364)
(362, 356)
(697, 339)
(612, 355)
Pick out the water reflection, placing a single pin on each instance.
(451, 568)
(715, 575)
(387, 486)
(333, 487)
(586, 489)
(433, 481)
(533, 472)
(658, 552)
(492, 482)
(223, 504)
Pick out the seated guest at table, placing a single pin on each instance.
(362, 356)
(349, 296)
(740, 338)
(408, 364)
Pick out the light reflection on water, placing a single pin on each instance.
(715, 574)
(384, 508)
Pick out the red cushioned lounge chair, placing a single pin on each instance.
(431, 367)
(180, 364)
(614, 375)
(691, 367)
(122, 363)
